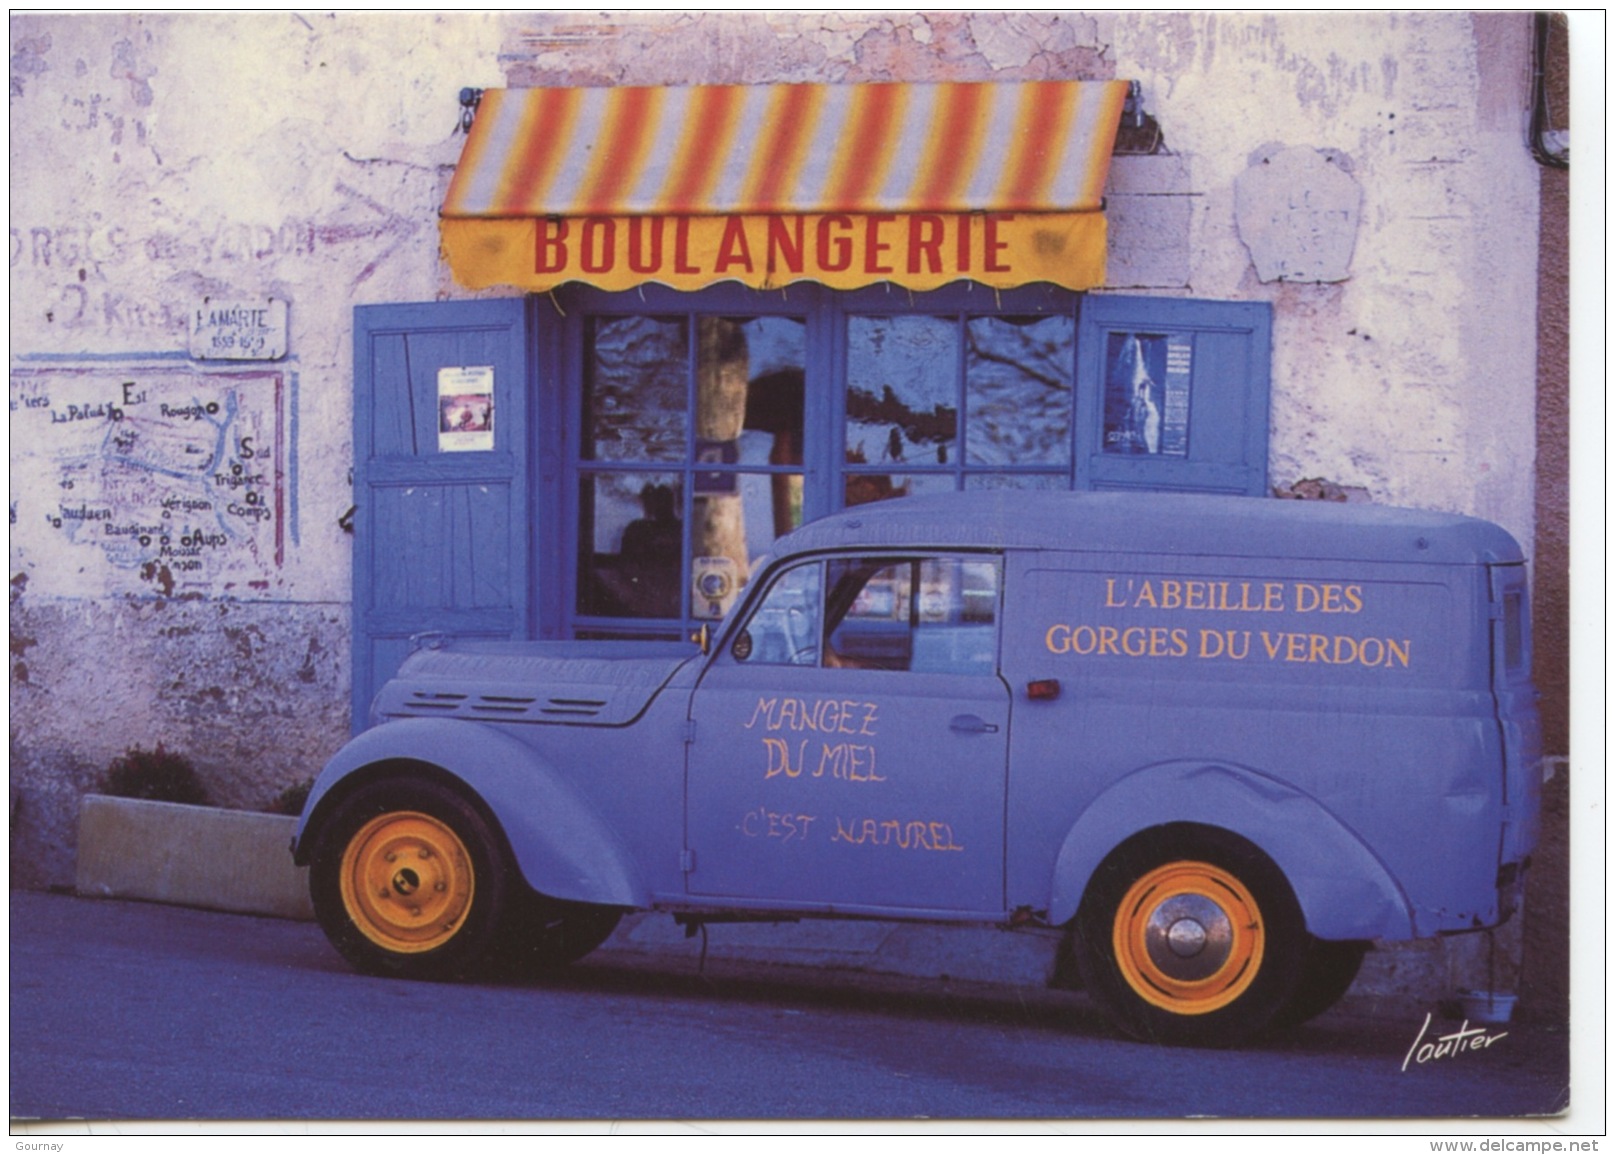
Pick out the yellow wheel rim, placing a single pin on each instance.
(1188, 938)
(407, 882)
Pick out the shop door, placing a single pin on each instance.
(440, 480)
(848, 748)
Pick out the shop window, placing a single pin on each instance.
(943, 402)
(690, 464)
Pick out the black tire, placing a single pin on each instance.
(547, 934)
(1327, 973)
(1189, 935)
(410, 880)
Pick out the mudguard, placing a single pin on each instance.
(562, 846)
(1345, 892)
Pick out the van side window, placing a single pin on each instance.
(787, 627)
(928, 615)
(936, 615)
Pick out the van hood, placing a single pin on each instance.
(582, 683)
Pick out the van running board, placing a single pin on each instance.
(692, 923)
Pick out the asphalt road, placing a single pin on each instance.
(140, 1012)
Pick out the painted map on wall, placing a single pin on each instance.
(148, 480)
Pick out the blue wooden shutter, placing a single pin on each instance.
(440, 538)
(1208, 370)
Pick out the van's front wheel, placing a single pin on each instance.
(408, 879)
(1190, 935)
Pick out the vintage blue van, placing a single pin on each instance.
(1221, 743)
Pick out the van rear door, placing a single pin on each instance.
(1517, 714)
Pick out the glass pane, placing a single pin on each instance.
(1018, 390)
(749, 389)
(870, 613)
(1017, 481)
(956, 631)
(636, 396)
(902, 390)
(863, 488)
(785, 629)
(931, 615)
(631, 545)
(737, 517)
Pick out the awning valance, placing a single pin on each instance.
(920, 184)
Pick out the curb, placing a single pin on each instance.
(230, 860)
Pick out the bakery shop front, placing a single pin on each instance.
(713, 313)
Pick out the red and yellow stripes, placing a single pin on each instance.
(715, 149)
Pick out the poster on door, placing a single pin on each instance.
(1147, 393)
(465, 409)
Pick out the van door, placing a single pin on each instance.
(1517, 713)
(848, 747)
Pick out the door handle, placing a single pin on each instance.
(970, 724)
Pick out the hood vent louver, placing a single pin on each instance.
(533, 683)
(506, 707)
(445, 703)
(574, 707)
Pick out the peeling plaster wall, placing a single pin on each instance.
(158, 161)
(1414, 377)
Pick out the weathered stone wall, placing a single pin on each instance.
(160, 162)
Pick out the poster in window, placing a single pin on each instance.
(465, 409)
(1147, 393)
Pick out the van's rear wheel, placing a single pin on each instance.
(408, 879)
(1190, 935)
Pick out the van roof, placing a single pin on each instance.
(1159, 523)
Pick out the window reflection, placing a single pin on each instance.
(919, 385)
(1018, 390)
(632, 545)
(636, 396)
(902, 390)
(863, 488)
(715, 404)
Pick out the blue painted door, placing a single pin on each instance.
(440, 479)
(1173, 394)
(847, 748)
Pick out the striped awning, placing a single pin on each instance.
(920, 184)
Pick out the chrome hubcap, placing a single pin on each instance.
(1188, 937)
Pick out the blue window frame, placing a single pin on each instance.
(717, 420)
(701, 426)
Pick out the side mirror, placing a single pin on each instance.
(703, 638)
